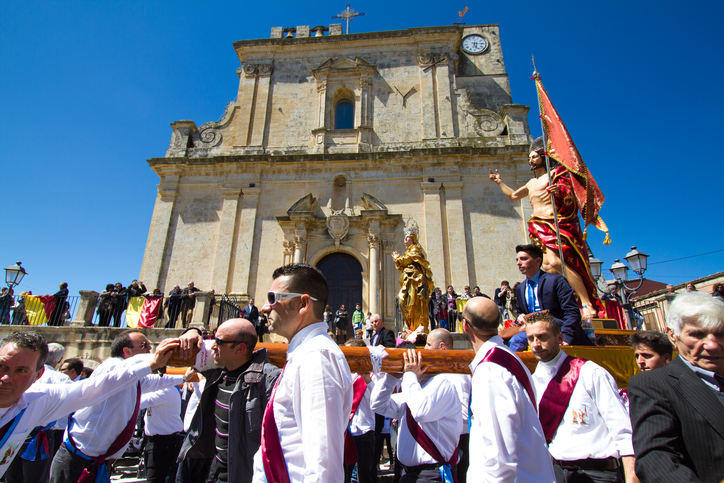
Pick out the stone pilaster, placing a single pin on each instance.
(261, 101)
(225, 239)
(373, 240)
(201, 314)
(444, 98)
(428, 95)
(245, 240)
(300, 243)
(86, 308)
(458, 262)
(434, 245)
(158, 232)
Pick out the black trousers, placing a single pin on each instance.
(564, 475)
(366, 463)
(66, 467)
(462, 468)
(193, 470)
(160, 456)
(413, 475)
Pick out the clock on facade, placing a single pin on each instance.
(475, 44)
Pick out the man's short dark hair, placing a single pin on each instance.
(531, 249)
(656, 341)
(543, 316)
(74, 364)
(308, 280)
(123, 340)
(29, 340)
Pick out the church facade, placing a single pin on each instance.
(333, 144)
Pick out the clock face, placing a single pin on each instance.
(475, 44)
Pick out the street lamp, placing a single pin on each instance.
(14, 274)
(637, 262)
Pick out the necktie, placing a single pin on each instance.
(531, 295)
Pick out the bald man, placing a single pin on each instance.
(441, 339)
(225, 431)
(505, 434)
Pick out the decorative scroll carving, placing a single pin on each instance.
(487, 123)
(251, 70)
(428, 59)
(209, 134)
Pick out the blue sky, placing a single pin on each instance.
(89, 89)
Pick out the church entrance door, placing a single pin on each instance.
(344, 277)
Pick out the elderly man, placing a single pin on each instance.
(381, 335)
(24, 407)
(102, 431)
(226, 429)
(677, 411)
(302, 435)
(585, 423)
(441, 339)
(652, 349)
(506, 438)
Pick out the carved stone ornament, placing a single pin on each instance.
(487, 123)
(209, 134)
(337, 226)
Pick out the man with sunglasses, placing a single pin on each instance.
(94, 430)
(305, 420)
(226, 428)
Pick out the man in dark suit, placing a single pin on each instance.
(545, 291)
(251, 313)
(677, 412)
(381, 335)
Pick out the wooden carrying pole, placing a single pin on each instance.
(358, 358)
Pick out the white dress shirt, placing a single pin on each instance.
(363, 420)
(44, 403)
(596, 423)
(94, 428)
(311, 408)
(462, 383)
(506, 438)
(434, 405)
(163, 411)
(51, 376)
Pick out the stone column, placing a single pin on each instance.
(245, 240)
(433, 232)
(300, 243)
(200, 317)
(374, 243)
(158, 232)
(225, 239)
(458, 263)
(86, 308)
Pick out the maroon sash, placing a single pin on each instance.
(89, 473)
(427, 444)
(275, 468)
(358, 391)
(557, 395)
(508, 361)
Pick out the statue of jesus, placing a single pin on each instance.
(542, 228)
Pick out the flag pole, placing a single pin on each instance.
(536, 76)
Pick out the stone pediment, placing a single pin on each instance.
(344, 65)
(370, 203)
(304, 205)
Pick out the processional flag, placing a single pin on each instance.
(561, 148)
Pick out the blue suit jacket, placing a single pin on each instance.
(556, 296)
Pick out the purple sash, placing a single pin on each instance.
(427, 444)
(508, 361)
(275, 467)
(558, 394)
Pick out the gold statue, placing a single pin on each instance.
(415, 281)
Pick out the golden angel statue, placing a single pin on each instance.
(415, 281)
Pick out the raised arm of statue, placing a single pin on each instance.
(513, 195)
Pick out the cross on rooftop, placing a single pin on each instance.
(348, 14)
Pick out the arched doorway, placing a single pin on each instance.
(344, 277)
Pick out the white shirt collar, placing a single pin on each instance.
(489, 344)
(551, 367)
(306, 333)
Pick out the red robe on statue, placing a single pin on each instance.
(542, 232)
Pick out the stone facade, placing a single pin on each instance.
(276, 180)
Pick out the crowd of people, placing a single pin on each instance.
(316, 420)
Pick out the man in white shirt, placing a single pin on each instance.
(93, 430)
(428, 411)
(163, 428)
(22, 407)
(506, 438)
(441, 339)
(361, 428)
(586, 425)
(302, 435)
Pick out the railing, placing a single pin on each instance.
(38, 310)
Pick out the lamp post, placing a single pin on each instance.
(14, 275)
(637, 262)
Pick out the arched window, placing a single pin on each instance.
(344, 114)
